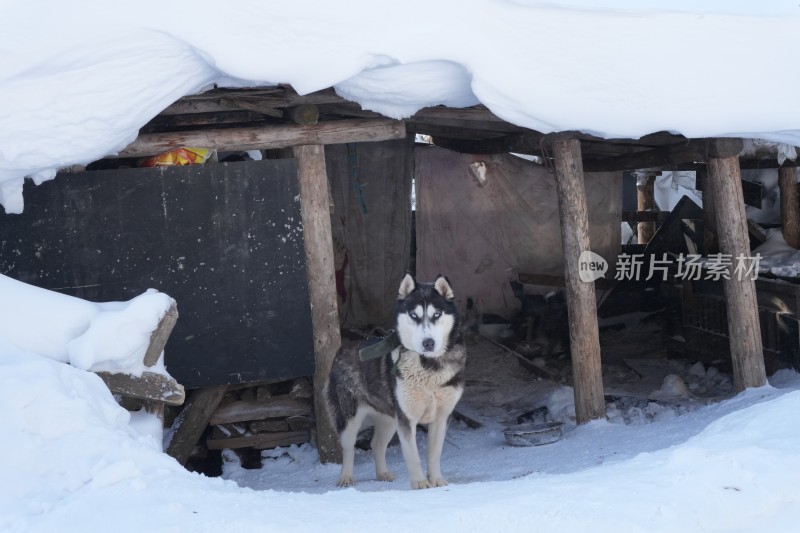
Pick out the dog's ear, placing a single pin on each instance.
(442, 286)
(406, 286)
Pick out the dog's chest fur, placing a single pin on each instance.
(428, 389)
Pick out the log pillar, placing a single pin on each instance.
(314, 208)
(646, 201)
(790, 207)
(744, 330)
(581, 298)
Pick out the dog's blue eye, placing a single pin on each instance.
(437, 314)
(413, 315)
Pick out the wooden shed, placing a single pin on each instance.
(319, 232)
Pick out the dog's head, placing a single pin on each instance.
(426, 316)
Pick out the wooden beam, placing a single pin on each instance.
(790, 205)
(581, 300)
(306, 114)
(273, 407)
(148, 386)
(260, 441)
(275, 97)
(193, 420)
(664, 156)
(724, 184)
(162, 123)
(315, 210)
(159, 337)
(268, 137)
(523, 144)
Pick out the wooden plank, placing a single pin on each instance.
(581, 299)
(790, 205)
(150, 386)
(201, 120)
(274, 407)
(315, 210)
(255, 105)
(193, 420)
(160, 336)
(260, 441)
(218, 100)
(298, 423)
(268, 137)
(269, 426)
(724, 179)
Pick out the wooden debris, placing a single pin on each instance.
(271, 425)
(159, 337)
(260, 441)
(275, 407)
(193, 420)
(150, 386)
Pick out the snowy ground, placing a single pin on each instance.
(77, 464)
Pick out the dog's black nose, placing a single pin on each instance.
(428, 344)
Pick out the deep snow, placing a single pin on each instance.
(73, 93)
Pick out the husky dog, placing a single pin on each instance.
(418, 380)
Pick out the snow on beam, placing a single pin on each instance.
(268, 137)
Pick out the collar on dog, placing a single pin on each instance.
(381, 348)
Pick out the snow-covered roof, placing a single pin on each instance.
(77, 81)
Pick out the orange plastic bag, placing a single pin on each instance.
(180, 156)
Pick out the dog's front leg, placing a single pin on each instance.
(407, 430)
(436, 432)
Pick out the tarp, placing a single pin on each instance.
(371, 226)
(482, 236)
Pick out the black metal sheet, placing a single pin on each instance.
(224, 240)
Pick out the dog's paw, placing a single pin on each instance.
(346, 481)
(420, 484)
(438, 482)
(386, 476)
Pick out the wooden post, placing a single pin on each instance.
(581, 299)
(193, 421)
(646, 200)
(790, 207)
(314, 207)
(744, 330)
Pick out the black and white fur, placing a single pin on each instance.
(423, 388)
